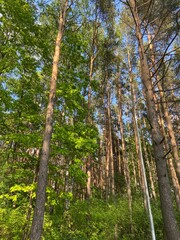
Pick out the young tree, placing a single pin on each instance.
(37, 224)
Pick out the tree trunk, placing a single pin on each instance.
(30, 207)
(89, 118)
(124, 158)
(111, 160)
(162, 108)
(170, 224)
(38, 218)
(89, 160)
(166, 113)
(134, 103)
(174, 178)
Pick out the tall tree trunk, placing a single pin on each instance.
(30, 207)
(111, 160)
(134, 103)
(124, 158)
(172, 171)
(164, 106)
(170, 224)
(89, 160)
(89, 119)
(139, 152)
(38, 218)
(109, 151)
(107, 175)
(100, 167)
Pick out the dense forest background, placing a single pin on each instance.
(89, 114)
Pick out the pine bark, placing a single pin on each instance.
(172, 171)
(170, 224)
(165, 110)
(162, 108)
(38, 217)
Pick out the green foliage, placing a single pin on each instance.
(92, 219)
(76, 140)
(96, 219)
(11, 223)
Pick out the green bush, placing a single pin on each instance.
(96, 219)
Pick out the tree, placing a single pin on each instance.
(37, 224)
(170, 223)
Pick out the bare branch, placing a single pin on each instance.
(167, 90)
(164, 54)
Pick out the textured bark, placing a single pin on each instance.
(172, 171)
(175, 182)
(165, 110)
(38, 218)
(170, 132)
(170, 224)
(162, 109)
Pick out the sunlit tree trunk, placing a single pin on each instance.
(89, 160)
(162, 108)
(38, 218)
(111, 160)
(170, 224)
(172, 171)
(165, 111)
